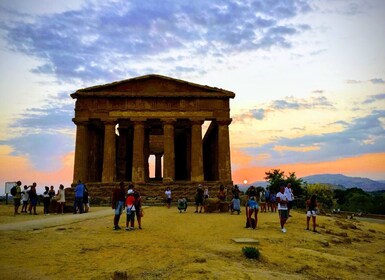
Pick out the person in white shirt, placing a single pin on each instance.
(282, 207)
(168, 197)
(290, 197)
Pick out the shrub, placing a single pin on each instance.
(251, 252)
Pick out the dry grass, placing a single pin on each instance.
(193, 246)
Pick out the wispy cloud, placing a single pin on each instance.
(113, 40)
(373, 81)
(374, 98)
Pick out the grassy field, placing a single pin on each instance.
(175, 245)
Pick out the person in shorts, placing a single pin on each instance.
(17, 197)
(282, 207)
(24, 199)
(252, 207)
(311, 212)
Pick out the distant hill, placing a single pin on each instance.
(340, 180)
(336, 180)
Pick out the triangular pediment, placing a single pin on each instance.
(153, 86)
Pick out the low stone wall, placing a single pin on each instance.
(151, 193)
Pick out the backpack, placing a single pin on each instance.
(13, 191)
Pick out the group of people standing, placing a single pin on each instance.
(28, 198)
(131, 203)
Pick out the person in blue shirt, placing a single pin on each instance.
(79, 192)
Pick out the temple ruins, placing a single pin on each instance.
(120, 125)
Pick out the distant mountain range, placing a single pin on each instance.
(336, 180)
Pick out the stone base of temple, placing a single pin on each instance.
(152, 193)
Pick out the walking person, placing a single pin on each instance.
(282, 207)
(118, 199)
(199, 196)
(311, 212)
(46, 200)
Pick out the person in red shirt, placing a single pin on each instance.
(130, 209)
(118, 197)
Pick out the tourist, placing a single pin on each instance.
(290, 197)
(46, 200)
(311, 211)
(250, 192)
(199, 197)
(182, 204)
(168, 197)
(138, 208)
(86, 200)
(24, 198)
(222, 193)
(60, 200)
(235, 204)
(33, 199)
(79, 192)
(252, 207)
(51, 193)
(206, 193)
(282, 207)
(273, 201)
(262, 200)
(118, 199)
(17, 197)
(130, 210)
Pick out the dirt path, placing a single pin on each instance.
(55, 220)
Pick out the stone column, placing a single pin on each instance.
(196, 151)
(158, 166)
(109, 152)
(138, 168)
(224, 161)
(169, 150)
(81, 151)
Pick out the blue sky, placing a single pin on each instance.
(309, 76)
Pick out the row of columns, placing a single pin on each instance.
(138, 163)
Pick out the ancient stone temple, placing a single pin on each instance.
(119, 126)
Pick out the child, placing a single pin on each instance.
(130, 209)
(182, 204)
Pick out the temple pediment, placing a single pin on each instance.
(154, 86)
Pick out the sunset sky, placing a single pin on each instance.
(309, 77)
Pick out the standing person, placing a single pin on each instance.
(250, 192)
(60, 199)
(267, 198)
(222, 194)
(51, 192)
(311, 211)
(46, 200)
(290, 197)
(24, 199)
(33, 199)
(130, 210)
(17, 197)
(138, 208)
(262, 201)
(282, 207)
(118, 199)
(168, 197)
(199, 196)
(273, 201)
(79, 192)
(86, 201)
(236, 202)
(206, 194)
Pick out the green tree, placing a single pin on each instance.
(324, 195)
(275, 178)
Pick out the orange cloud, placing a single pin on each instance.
(368, 165)
(14, 168)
